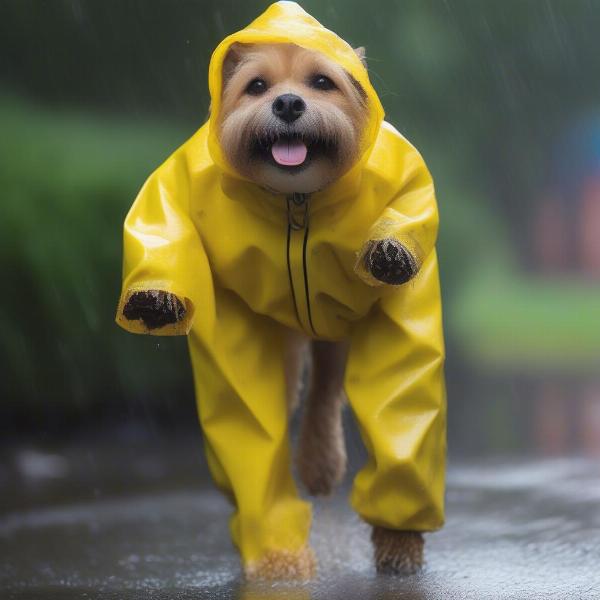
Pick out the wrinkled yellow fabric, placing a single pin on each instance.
(224, 247)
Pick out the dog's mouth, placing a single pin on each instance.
(292, 152)
(289, 152)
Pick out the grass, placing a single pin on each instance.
(521, 323)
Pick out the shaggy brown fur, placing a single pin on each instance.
(321, 455)
(334, 118)
(281, 565)
(397, 552)
(297, 358)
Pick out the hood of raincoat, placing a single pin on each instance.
(289, 23)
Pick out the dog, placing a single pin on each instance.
(292, 125)
(290, 118)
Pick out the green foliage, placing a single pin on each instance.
(67, 182)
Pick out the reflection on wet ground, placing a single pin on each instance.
(97, 524)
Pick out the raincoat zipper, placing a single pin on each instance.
(297, 238)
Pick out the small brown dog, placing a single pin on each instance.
(291, 121)
(296, 217)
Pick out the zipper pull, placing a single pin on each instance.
(295, 201)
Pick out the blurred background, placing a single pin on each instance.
(103, 482)
(502, 99)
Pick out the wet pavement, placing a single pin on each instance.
(99, 524)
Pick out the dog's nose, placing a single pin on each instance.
(288, 107)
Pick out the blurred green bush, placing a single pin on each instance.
(67, 182)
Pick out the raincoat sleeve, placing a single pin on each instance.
(394, 377)
(162, 247)
(395, 384)
(410, 216)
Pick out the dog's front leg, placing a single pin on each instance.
(240, 388)
(397, 552)
(390, 262)
(155, 308)
(394, 381)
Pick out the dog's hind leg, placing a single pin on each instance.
(321, 454)
(297, 358)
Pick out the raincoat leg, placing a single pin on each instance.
(395, 386)
(241, 396)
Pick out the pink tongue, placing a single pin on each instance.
(289, 152)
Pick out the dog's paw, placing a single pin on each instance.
(390, 262)
(397, 552)
(155, 308)
(283, 565)
(321, 463)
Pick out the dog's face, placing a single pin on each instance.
(291, 120)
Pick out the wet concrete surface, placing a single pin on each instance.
(95, 523)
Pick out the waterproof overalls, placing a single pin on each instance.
(248, 264)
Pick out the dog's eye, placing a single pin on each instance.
(322, 82)
(256, 87)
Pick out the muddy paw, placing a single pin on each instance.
(283, 565)
(397, 552)
(155, 308)
(390, 262)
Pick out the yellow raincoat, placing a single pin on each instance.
(248, 263)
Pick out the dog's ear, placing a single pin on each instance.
(232, 60)
(359, 88)
(362, 54)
